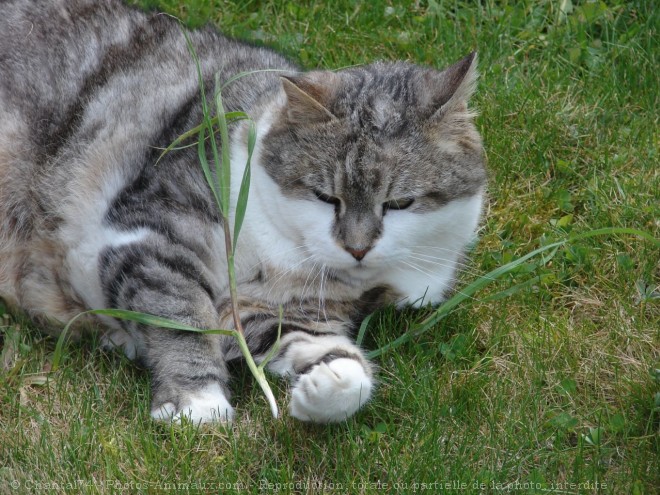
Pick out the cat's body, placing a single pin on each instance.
(366, 187)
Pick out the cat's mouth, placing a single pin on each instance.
(361, 270)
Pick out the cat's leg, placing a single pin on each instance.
(188, 370)
(189, 377)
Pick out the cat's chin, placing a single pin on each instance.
(357, 272)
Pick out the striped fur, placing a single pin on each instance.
(366, 187)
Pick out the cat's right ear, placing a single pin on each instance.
(309, 95)
(453, 87)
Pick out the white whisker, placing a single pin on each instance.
(417, 268)
(322, 296)
(449, 286)
(273, 283)
(448, 260)
(440, 248)
(463, 267)
(307, 281)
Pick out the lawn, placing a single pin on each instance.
(546, 381)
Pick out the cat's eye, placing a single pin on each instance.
(397, 204)
(326, 198)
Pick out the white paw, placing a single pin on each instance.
(330, 392)
(119, 339)
(204, 406)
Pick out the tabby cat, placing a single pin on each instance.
(367, 186)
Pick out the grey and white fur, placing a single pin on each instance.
(367, 185)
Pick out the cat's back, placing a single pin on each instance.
(55, 64)
(74, 69)
(89, 90)
(50, 49)
(68, 76)
(56, 54)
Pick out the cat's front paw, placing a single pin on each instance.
(330, 392)
(206, 405)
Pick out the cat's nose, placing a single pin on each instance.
(358, 254)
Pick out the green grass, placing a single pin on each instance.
(554, 389)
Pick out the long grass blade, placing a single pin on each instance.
(217, 171)
(363, 329)
(276, 346)
(123, 314)
(515, 289)
(250, 72)
(225, 170)
(174, 145)
(241, 203)
(198, 67)
(186, 135)
(208, 174)
(467, 292)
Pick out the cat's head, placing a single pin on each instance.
(379, 168)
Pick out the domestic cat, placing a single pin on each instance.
(367, 186)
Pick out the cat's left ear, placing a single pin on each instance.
(454, 86)
(309, 95)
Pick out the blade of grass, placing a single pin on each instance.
(179, 140)
(201, 152)
(276, 346)
(198, 67)
(225, 168)
(539, 279)
(249, 72)
(123, 314)
(223, 173)
(241, 203)
(470, 289)
(289, 71)
(217, 171)
(363, 329)
(230, 116)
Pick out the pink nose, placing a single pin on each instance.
(358, 254)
